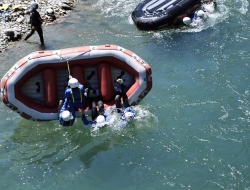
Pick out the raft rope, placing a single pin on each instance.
(69, 73)
(71, 59)
(68, 67)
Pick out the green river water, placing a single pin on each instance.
(191, 130)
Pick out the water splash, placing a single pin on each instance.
(119, 8)
(243, 6)
(220, 15)
(142, 119)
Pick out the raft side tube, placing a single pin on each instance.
(50, 87)
(105, 84)
(78, 73)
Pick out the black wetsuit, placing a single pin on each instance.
(120, 92)
(36, 23)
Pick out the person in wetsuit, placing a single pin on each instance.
(102, 119)
(36, 23)
(66, 113)
(74, 92)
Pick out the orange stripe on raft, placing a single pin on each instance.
(50, 87)
(10, 72)
(21, 62)
(74, 50)
(4, 84)
(128, 52)
(133, 87)
(78, 73)
(38, 54)
(107, 46)
(105, 81)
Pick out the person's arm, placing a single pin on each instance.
(82, 88)
(65, 105)
(60, 120)
(39, 18)
(129, 109)
(72, 112)
(86, 121)
(67, 92)
(107, 117)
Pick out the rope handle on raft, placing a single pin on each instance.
(71, 58)
(68, 67)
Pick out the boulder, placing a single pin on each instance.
(5, 7)
(17, 7)
(49, 11)
(65, 6)
(20, 19)
(9, 32)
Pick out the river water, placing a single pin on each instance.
(191, 130)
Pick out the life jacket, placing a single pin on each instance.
(34, 18)
(67, 122)
(76, 97)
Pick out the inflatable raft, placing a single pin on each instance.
(156, 14)
(36, 83)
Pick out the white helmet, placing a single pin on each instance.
(209, 8)
(66, 115)
(100, 120)
(186, 20)
(200, 13)
(34, 5)
(73, 83)
(129, 116)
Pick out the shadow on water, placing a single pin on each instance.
(48, 144)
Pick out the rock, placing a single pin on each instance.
(65, 6)
(17, 7)
(50, 11)
(17, 30)
(65, 2)
(9, 32)
(5, 7)
(20, 19)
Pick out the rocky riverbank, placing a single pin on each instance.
(14, 17)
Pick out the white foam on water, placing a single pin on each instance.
(142, 119)
(220, 14)
(243, 6)
(119, 8)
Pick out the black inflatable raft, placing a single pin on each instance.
(156, 14)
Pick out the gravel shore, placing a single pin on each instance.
(14, 17)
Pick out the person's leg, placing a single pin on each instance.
(30, 34)
(125, 101)
(101, 107)
(124, 97)
(89, 96)
(60, 107)
(94, 111)
(118, 103)
(40, 33)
